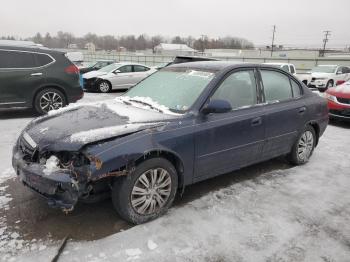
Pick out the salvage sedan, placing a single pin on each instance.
(116, 76)
(186, 123)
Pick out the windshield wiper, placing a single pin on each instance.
(147, 104)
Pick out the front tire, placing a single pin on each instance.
(49, 99)
(303, 147)
(104, 86)
(147, 192)
(330, 83)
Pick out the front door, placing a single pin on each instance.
(124, 77)
(228, 141)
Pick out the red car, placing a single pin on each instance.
(339, 101)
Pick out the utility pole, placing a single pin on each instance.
(273, 38)
(327, 33)
(203, 47)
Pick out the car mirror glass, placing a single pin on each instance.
(216, 106)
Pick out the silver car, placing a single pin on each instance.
(116, 76)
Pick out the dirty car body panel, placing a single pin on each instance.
(105, 140)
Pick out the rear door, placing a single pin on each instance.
(228, 141)
(285, 112)
(19, 77)
(140, 72)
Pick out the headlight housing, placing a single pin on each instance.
(67, 160)
(331, 98)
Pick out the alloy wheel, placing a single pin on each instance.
(50, 101)
(104, 87)
(305, 145)
(151, 191)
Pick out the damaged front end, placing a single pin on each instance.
(61, 177)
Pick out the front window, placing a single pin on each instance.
(239, 89)
(174, 88)
(324, 69)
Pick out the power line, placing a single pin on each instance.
(327, 33)
(273, 38)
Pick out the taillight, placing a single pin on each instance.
(339, 82)
(72, 69)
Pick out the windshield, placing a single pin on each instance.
(109, 68)
(175, 88)
(324, 69)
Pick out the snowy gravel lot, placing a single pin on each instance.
(267, 212)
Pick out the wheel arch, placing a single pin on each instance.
(172, 157)
(316, 127)
(99, 80)
(59, 88)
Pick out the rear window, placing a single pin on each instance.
(16, 59)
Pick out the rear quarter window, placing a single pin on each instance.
(43, 59)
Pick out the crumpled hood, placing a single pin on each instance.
(93, 74)
(75, 126)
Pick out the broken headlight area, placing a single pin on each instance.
(76, 163)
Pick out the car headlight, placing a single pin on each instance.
(330, 97)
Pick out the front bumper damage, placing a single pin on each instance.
(59, 187)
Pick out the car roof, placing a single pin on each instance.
(128, 63)
(279, 64)
(29, 48)
(214, 65)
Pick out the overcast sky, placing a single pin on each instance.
(298, 22)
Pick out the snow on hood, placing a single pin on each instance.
(107, 132)
(73, 126)
(93, 74)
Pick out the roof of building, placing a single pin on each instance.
(175, 47)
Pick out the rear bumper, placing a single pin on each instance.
(75, 94)
(58, 188)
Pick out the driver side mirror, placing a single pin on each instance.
(217, 106)
(339, 72)
(116, 72)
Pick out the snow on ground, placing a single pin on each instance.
(297, 214)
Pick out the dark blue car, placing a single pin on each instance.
(186, 123)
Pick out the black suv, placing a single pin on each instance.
(37, 77)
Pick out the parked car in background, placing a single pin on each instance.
(93, 66)
(185, 59)
(37, 77)
(325, 76)
(116, 76)
(339, 101)
(290, 68)
(181, 125)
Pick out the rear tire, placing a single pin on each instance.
(49, 99)
(147, 192)
(303, 147)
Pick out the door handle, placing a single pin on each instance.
(302, 110)
(36, 74)
(256, 121)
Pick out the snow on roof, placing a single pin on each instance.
(175, 47)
